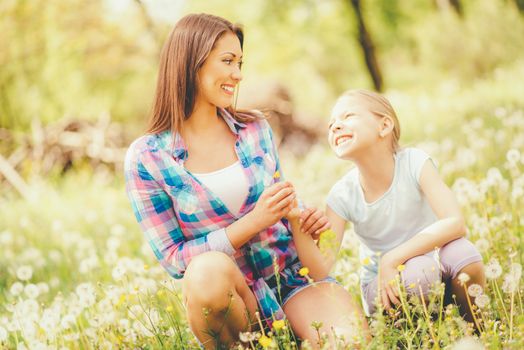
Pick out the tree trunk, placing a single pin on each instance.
(520, 5)
(368, 48)
(455, 4)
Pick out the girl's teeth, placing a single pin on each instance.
(228, 88)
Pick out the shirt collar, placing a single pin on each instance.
(179, 148)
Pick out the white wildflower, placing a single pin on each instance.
(463, 277)
(493, 269)
(140, 328)
(475, 290)
(482, 244)
(6, 238)
(482, 301)
(3, 334)
(16, 289)
(86, 294)
(24, 273)
(513, 156)
(124, 326)
(43, 287)
(68, 321)
(32, 291)
(118, 272)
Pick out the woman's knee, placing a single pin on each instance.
(209, 280)
(421, 273)
(456, 255)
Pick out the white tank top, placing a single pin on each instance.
(229, 184)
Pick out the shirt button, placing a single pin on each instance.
(237, 143)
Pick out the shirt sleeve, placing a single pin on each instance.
(337, 200)
(153, 209)
(417, 159)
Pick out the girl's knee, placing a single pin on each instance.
(456, 255)
(421, 273)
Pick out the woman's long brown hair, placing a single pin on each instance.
(183, 54)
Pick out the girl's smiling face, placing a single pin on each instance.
(220, 72)
(353, 128)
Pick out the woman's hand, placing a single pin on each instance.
(313, 222)
(273, 204)
(389, 291)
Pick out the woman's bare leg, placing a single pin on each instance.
(219, 302)
(330, 304)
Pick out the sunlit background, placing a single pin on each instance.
(77, 80)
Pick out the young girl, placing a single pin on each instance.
(400, 207)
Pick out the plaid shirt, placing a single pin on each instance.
(181, 218)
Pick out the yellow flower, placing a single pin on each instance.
(160, 293)
(146, 267)
(366, 261)
(303, 271)
(169, 308)
(401, 268)
(276, 175)
(279, 324)
(411, 286)
(264, 341)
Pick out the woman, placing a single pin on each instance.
(205, 186)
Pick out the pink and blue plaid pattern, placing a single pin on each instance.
(177, 213)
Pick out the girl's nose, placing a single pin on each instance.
(336, 125)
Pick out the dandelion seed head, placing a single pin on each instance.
(475, 290)
(513, 156)
(463, 277)
(482, 244)
(32, 291)
(16, 289)
(24, 273)
(482, 301)
(493, 269)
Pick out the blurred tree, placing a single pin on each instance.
(454, 4)
(520, 5)
(72, 58)
(368, 48)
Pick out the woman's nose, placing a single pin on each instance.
(237, 74)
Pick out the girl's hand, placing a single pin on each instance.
(273, 204)
(314, 222)
(388, 283)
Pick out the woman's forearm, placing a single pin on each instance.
(242, 230)
(434, 236)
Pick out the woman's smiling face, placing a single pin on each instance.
(220, 72)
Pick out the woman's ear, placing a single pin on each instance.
(386, 126)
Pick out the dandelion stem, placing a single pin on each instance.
(499, 295)
(477, 323)
(428, 319)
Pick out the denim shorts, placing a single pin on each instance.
(291, 283)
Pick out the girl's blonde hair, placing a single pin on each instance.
(380, 107)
